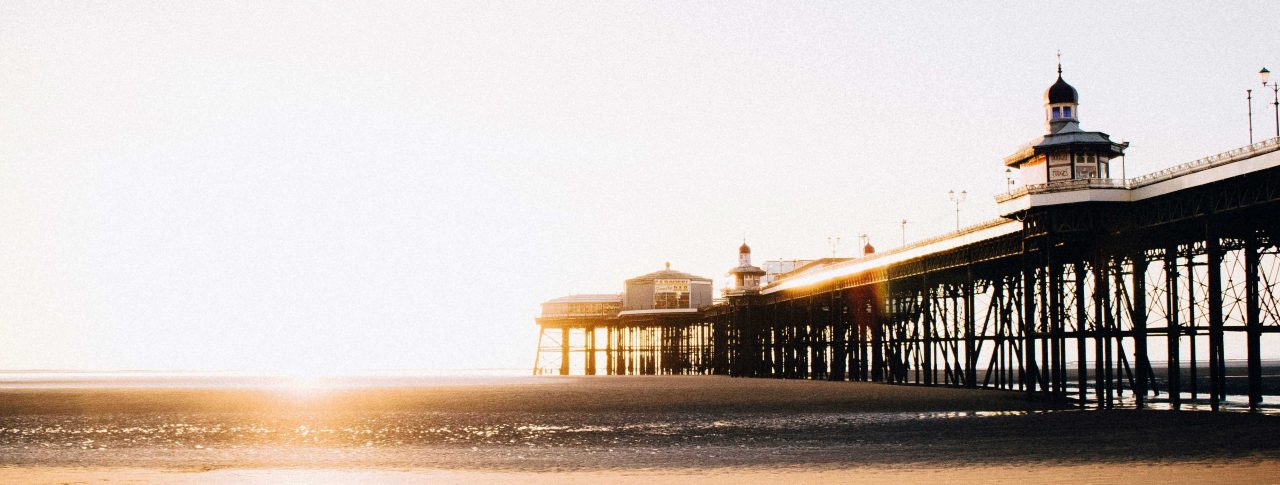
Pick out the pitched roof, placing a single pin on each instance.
(588, 298)
(667, 274)
(1069, 134)
(748, 269)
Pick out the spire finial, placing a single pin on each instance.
(668, 265)
(1059, 62)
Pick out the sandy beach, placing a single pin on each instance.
(613, 429)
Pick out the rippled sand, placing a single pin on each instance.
(585, 429)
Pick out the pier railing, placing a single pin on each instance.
(1220, 159)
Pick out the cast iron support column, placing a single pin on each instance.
(1192, 333)
(839, 326)
(1139, 318)
(970, 327)
(1216, 370)
(1174, 326)
(1082, 326)
(608, 351)
(1029, 374)
(1253, 322)
(877, 322)
(1100, 277)
(926, 324)
(591, 350)
(1057, 372)
(564, 351)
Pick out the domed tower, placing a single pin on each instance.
(1061, 104)
(1065, 152)
(746, 278)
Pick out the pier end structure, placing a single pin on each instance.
(652, 327)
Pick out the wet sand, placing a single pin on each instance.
(1233, 472)
(619, 430)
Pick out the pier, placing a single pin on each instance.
(1086, 289)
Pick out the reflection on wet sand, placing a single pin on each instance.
(590, 425)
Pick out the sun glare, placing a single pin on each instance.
(306, 380)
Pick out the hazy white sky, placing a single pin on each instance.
(282, 186)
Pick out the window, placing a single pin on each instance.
(1086, 165)
(670, 293)
(1057, 113)
(663, 301)
(1066, 111)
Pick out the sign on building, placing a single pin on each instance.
(661, 285)
(1059, 166)
(670, 293)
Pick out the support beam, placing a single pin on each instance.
(1217, 376)
(564, 351)
(1139, 318)
(1253, 320)
(1029, 372)
(970, 331)
(1173, 323)
(1082, 324)
(926, 326)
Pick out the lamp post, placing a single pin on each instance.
(904, 232)
(835, 245)
(1265, 76)
(957, 199)
(1124, 171)
(1248, 93)
(1008, 180)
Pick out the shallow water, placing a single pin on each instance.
(582, 423)
(207, 430)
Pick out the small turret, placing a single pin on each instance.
(746, 278)
(1061, 104)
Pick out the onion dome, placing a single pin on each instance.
(1060, 92)
(744, 249)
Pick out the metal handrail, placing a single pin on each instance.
(1250, 151)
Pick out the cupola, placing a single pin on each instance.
(745, 277)
(1061, 104)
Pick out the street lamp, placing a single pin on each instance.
(957, 199)
(904, 232)
(1264, 75)
(1008, 180)
(1248, 93)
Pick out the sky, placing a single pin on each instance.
(332, 186)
